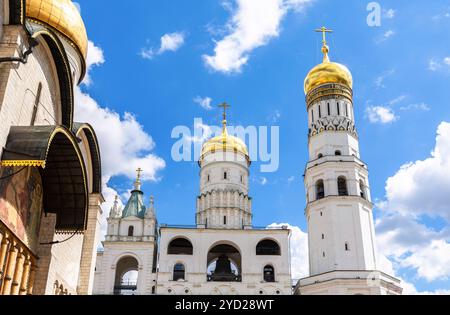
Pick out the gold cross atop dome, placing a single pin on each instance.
(225, 106)
(139, 173)
(325, 48)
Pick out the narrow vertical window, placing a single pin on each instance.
(329, 109)
(338, 109)
(347, 248)
(312, 115)
(224, 220)
(131, 230)
(323, 236)
(320, 112)
(346, 110)
(342, 186)
(225, 175)
(320, 190)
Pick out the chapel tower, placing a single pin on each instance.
(224, 200)
(341, 237)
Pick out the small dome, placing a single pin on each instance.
(328, 72)
(224, 143)
(63, 16)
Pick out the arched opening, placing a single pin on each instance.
(269, 274)
(179, 272)
(224, 264)
(127, 272)
(320, 190)
(180, 246)
(268, 248)
(338, 153)
(342, 186)
(362, 189)
(320, 156)
(131, 230)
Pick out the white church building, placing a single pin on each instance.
(224, 254)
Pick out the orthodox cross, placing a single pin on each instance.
(324, 32)
(225, 106)
(139, 172)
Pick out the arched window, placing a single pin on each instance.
(269, 274)
(225, 175)
(362, 188)
(268, 248)
(320, 190)
(320, 156)
(180, 246)
(342, 186)
(338, 153)
(131, 230)
(178, 272)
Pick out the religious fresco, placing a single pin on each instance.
(21, 200)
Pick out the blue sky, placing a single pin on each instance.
(401, 73)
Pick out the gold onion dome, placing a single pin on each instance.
(224, 143)
(63, 16)
(328, 72)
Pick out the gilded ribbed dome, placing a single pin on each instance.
(224, 143)
(328, 72)
(63, 16)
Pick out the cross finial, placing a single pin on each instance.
(324, 32)
(139, 172)
(325, 48)
(225, 106)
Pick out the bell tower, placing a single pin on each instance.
(341, 232)
(224, 201)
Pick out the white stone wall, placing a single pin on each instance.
(224, 201)
(19, 84)
(196, 265)
(107, 261)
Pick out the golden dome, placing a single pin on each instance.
(224, 143)
(328, 72)
(63, 16)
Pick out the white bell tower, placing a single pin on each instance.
(224, 202)
(342, 246)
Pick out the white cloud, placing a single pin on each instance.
(123, 141)
(204, 102)
(95, 57)
(380, 114)
(253, 24)
(379, 81)
(397, 100)
(419, 189)
(421, 106)
(390, 14)
(423, 187)
(435, 64)
(264, 181)
(169, 42)
(299, 251)
(385, 36)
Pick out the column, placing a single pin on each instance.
(31, 278)
(12, 258)
(15, 287)
(89, 250)
(25, 276)
(3, 251)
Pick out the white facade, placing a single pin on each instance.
(130, 246)
(222, 254)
